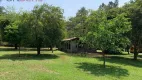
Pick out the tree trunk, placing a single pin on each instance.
(128, 51)
(84, 49)
(52, 49)
(104, 64)
(135, 53)
(38, 50)
(16, 46)
(19, 50)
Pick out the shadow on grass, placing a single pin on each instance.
(123, 61)
(90, 55)
(117, 54)
(8, 49)
(140, 56)
(23, 49)
(28, 56)
(98, 70)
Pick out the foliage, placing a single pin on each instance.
(3, 22)
(133, 9)
(106, 34)
(12, 34)
(9, 30)
(76, 25)
(44, 26)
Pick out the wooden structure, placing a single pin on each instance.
(70, 45)
(74, 45)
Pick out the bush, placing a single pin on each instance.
(111, 51)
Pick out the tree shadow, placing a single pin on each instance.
(99, 70)
(8, 49)
(140, 56)
(90, 55)
(23, 49)
(29, 56)
(117, 54)
(123, 61)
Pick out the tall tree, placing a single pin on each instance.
(76, 25)
(110, 5)
(3, 22)
(133, 9)
(45, 26)
(111, 9)
(105, 34)
(9, 29)
(54, 30)
(12, 34)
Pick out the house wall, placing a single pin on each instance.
(70, 46)
(74, 47)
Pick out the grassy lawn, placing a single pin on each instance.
(62, 66)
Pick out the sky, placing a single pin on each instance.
(70, 6)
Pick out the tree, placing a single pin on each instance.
(76, 25)
(9, 18)
(3, 22)
(25, 30)
(12, 34)
(112, 10)
(109, 6)
(10, 29)
(54, 30)
(2, 10)
(133, 9)
(105, 34)
(45, 26)
(70, 25)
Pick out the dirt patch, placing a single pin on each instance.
(40, 68)
(64, 58)
(5, 73)
(94, 55)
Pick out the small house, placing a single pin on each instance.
(74, 45)
(70, 45)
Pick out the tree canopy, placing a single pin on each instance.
(45, 26)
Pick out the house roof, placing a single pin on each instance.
(71, 39)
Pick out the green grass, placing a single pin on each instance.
(62, 66)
